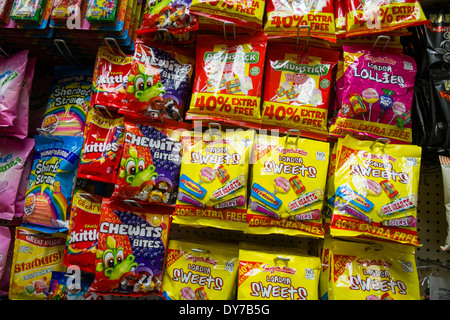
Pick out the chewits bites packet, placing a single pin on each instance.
(36, 256)
(369, 17)
(297, 88)
(14, 154)
(131, 250)
(376, 191)
(82, 235)
(228, 79)
(104, 133)
(51, 184)
(109, 83)
(377, 95)
(200, 271)
(372, 271)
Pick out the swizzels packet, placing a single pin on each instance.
(372, 271)
(376, 191)
(369, 17)
(228, 79)
(151, 160)
(132, 244)
(82, 235)
(377, 95)
(287, 192)
(285, 18)
(102, 147)
(36, 256)
(159, 81)
(213, 179)
(273, 275)
(200, 271)
(109, 84)
(297, 88)
(68, 103)
(51, 184)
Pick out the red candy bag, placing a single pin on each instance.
(102, 146)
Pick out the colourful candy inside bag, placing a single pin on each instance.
(71, 285)
(159, 81)
(297, 88)
(372, 271)
(287, 193)
(377, 95)
(132, 243)
(36, 256)
(150, 166)
(376, 191)
(52, 179)
(68, 102)
(65, 9)
(102, 11)
(28, 10)
(200, 271)
(103, 144)
(265, 274)
(228, 79)
(82, 235)
(110, 79)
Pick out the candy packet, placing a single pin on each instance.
(5, 240)
(159, 81)
(325, 275)
(200, 271)
(13, 155)
(104, 12)
(68, 103)
(131, 250)
(377, 96)
(65, 9)
(266, 274)
(439, 133)
(372, 271)
(109, 84)
(376, 191)
(287, 192)
(104, 134)
(445, 168)
(36, 256)
(12, 72)
(51, 184)
(28, 11)
(228, 79)
(6, 259)
(213, 178)
(82, 235)
(149, 169)
(297, 88)
(19, 204)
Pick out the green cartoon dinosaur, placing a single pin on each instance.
(134, 171)
(114, 264)
(142, 86)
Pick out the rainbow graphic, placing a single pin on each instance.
(70, 120)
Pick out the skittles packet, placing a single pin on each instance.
(213, 179)
(51, 183)
(377, 95)
(297, 89)
(131, 250)
(149, 169)
(110, 79)
(372, 271)
(228, 79)
(268, 274)
(103, 144)
(200, 271)
(376, 191)
(36, 256)
(82, 235)
(68, 102)
(287, 192)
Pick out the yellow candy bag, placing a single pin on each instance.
(273, 275)
(372, 271)
(213, 178)
(287, 193)
(325, 275)
(376, 189)
(36, 256)
(200, 271)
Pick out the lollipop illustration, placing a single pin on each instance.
(370, 96)
(398, 108)
(281, 185)
(385, 102)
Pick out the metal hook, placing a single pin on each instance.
(149, 114)
(210, 129)
(387, 38)
(48, 134)
(57, 42)
(289, 133)
(225, 30)
(104, 108)
(384, 141)
(4, 52)
(108, 40)
(307, 37)
(132, 203)
(89, 197)
(282, 258)
(161, 33)
(199, 250)
(374, 247)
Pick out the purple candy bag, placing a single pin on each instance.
(5, 240)
(22, 188)
(12, 73)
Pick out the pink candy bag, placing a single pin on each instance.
(5, 240)
(13, 155)
(377, 95)
(12, 72)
